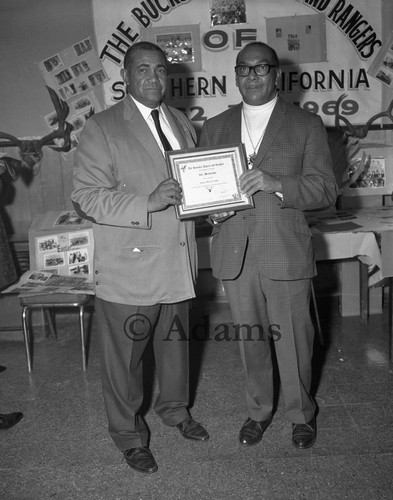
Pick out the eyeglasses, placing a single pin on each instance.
(259, 69)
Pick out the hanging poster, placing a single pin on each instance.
(74, 73)
(326, 49)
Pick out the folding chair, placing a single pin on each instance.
(50, 301)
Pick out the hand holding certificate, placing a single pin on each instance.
(209, 179)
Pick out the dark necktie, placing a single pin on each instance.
(164, 140)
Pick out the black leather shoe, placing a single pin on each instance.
(141, 459)
(9, 420)
(252, 431)
(304, 435)
(190, 429)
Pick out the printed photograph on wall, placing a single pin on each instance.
(298, 39)
(80, 68)
(52, 63)
(376, 178)
(83, 47)
(373, 176)
(181, 45)
(178, 47)
(227, 12)
(382, 66)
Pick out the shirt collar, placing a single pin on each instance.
(261, 107)
(145, 110)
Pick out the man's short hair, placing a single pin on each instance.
(262, 45)
(140, 46)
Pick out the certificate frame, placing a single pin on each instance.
(209, 178)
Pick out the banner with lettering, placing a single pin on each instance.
(326, 49)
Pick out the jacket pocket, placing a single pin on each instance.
(141, 250)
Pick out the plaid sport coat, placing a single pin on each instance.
(275, 232)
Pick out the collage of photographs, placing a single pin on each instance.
(65, 253)
(74, 73)
(75, 70)
(65, 247)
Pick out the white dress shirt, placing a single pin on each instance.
(146, 113)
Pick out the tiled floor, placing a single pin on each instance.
(61, 448)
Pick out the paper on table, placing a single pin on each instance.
(43, 282)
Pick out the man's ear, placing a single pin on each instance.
(278, 76)
(124, 75)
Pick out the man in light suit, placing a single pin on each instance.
(145, 260)
(264, 255)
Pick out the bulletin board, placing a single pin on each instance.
(61, 243)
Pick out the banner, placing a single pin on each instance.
(326, 48)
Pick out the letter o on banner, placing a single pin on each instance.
(215, 39)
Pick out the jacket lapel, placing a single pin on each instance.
(275, 123)
(141, 132)
(176, 127)
(233, 129)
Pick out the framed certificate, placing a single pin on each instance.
(209, 179)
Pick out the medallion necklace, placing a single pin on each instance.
(251, 157)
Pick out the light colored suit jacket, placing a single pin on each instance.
(140, 258)
(275, 232)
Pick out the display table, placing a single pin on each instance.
(365, 234)
(362, 234)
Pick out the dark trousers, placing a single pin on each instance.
(282, 311)
(124, 332)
